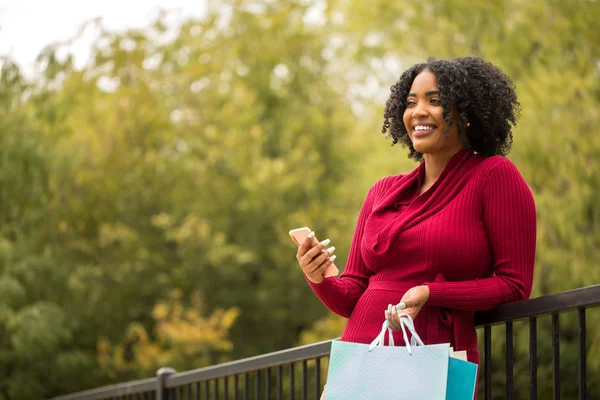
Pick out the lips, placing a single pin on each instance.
(423, 128)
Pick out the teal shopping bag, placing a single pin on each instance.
(367, 372)
(462, 378)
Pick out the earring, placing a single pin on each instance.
(468, 124)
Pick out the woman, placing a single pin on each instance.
(454, 236)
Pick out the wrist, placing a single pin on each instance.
(314, 280)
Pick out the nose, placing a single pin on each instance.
(419, 110)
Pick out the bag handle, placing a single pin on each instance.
(380, 339)
(406, 322)
(415, 340)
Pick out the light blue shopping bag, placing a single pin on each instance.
(462, 377)
(367, 372)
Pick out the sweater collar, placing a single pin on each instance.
(455, 159)
(420, 173)
(445, 188)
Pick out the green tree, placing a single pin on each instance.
(175, 164)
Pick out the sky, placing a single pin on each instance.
(26, 26)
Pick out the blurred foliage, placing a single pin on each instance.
(145, 197)
(183, 340)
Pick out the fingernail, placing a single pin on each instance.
(401, 306)
(389, 310)
(330, 250)
(332, 258)
(325, 242)
(311, 234)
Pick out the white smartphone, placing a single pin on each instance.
(300, 234)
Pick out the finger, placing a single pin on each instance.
(394, 325)
(318, 274)
(395, 319)
(309, 256)
(406, 299)
(321, 251)
(392, 318)
(313, 264)
(390, 321)
(322, 262)
(306, 244)
(316, 251)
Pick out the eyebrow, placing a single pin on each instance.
(427, 93)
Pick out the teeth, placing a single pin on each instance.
(423, 128)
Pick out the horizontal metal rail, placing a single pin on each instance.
(586, 297)
(121, 389)
(277, 358)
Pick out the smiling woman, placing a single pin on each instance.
(424, 118)
(454, 236)
(472, 94)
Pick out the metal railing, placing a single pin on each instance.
(297, 373)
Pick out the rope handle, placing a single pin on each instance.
(406, 323)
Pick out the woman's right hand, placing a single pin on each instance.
(314, 258)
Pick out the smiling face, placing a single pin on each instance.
(424, 119)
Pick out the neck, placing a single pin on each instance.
(435, 164)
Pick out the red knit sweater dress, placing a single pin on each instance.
(471, 238)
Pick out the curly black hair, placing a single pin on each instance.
(482, 94)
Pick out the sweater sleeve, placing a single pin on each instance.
(340, 295)
(510, 222)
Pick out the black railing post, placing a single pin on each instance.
(582, 370)
(487, 339)
(162, 374)
(533, 358)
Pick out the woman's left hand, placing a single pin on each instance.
(412, 301)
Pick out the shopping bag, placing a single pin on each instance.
(367, 372)
(462, 377)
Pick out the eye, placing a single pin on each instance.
(410, 103)
(436, 101)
